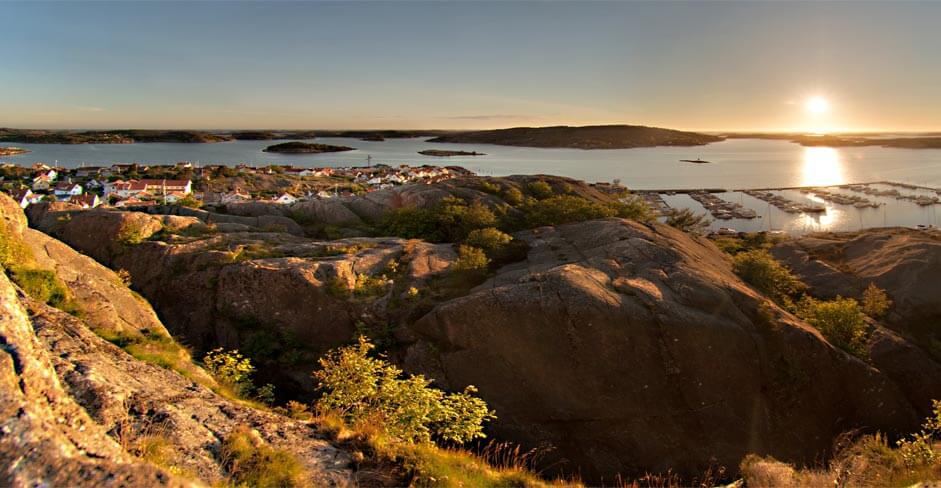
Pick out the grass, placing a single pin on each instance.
(425, 464)
(250, 462)
(158, 349)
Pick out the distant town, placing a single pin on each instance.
(133, 184)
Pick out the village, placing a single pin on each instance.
(126, 185)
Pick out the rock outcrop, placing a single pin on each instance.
(633, 348)
(75, 405)
(627, 347)
(906, 263)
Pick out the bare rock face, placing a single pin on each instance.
(633, 348)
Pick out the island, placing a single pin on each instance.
(448, 153)
(12, 151)
(297, 147)
(586, 137)
(123, 136)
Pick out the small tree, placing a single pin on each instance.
(687, 221)
(875, 301)
(231, 369)
(540, 189)
(839, 320)
(762, 271)
(361, 388)
(490, 239)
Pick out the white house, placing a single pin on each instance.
(42, 183)
(89, 200)
(25, 197)
(65, 189)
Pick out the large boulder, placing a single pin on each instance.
(632, 348)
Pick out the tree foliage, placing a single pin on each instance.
(840, 320)
(686, 220)
(875, 301)
(759, 269)
(361, 388)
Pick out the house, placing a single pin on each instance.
(24, 197)
(88, 200)
(93, 184)
(175, 197)
(130, 188)
(285, 199)
(66, 189)
(42, 183)
(88, 171)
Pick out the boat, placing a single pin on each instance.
(697, 161)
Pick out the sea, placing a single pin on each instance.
(734, 164)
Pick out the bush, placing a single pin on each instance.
(490, 239)
(359, 388)
(513, 196)
(448, 221)
(470, 259)
(250, 462)
(44, 286)
(759, 269)
(540, 189)
(840, 321)
(564, 209)
(875, 301)
(687, 221)
(230, 369)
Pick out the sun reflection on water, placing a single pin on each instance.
(822, 167)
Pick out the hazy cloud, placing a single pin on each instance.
(89, 109)
(486, 117)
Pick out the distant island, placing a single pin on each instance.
(847, 140)
(31, 136)
(447, 153)
(297, 147)
(587, 137)
(12, 151)
(250, 135)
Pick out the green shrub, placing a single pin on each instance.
(488, 187)
(564, 209)
(513, 196)
(470, 258)
(490, 239)
(13, 251)
(539, 189)
(840, 321)
(759, 269)
(250, 462)
(448, 221)
(875, 301)
(360, 388)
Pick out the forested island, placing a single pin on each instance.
(448, 153)
(297, 147)
(587, 137)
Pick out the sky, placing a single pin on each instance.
(709, 66)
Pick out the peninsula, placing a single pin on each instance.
(131, 136)
(932, 141)
(586, 137)
(12, 151)
(297, 147)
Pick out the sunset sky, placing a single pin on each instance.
(701, 66)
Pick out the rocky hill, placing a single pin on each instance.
(80, 411)
(629, 347)
(587, 137)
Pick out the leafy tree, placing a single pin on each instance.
(190, 201)
(360, 388)
(875, 301)
(759, 269)
(686, 220)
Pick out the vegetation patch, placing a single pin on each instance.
(250, 462)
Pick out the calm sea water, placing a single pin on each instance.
(736, 164)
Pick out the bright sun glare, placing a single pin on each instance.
(817, 105)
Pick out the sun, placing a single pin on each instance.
(817, 105)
